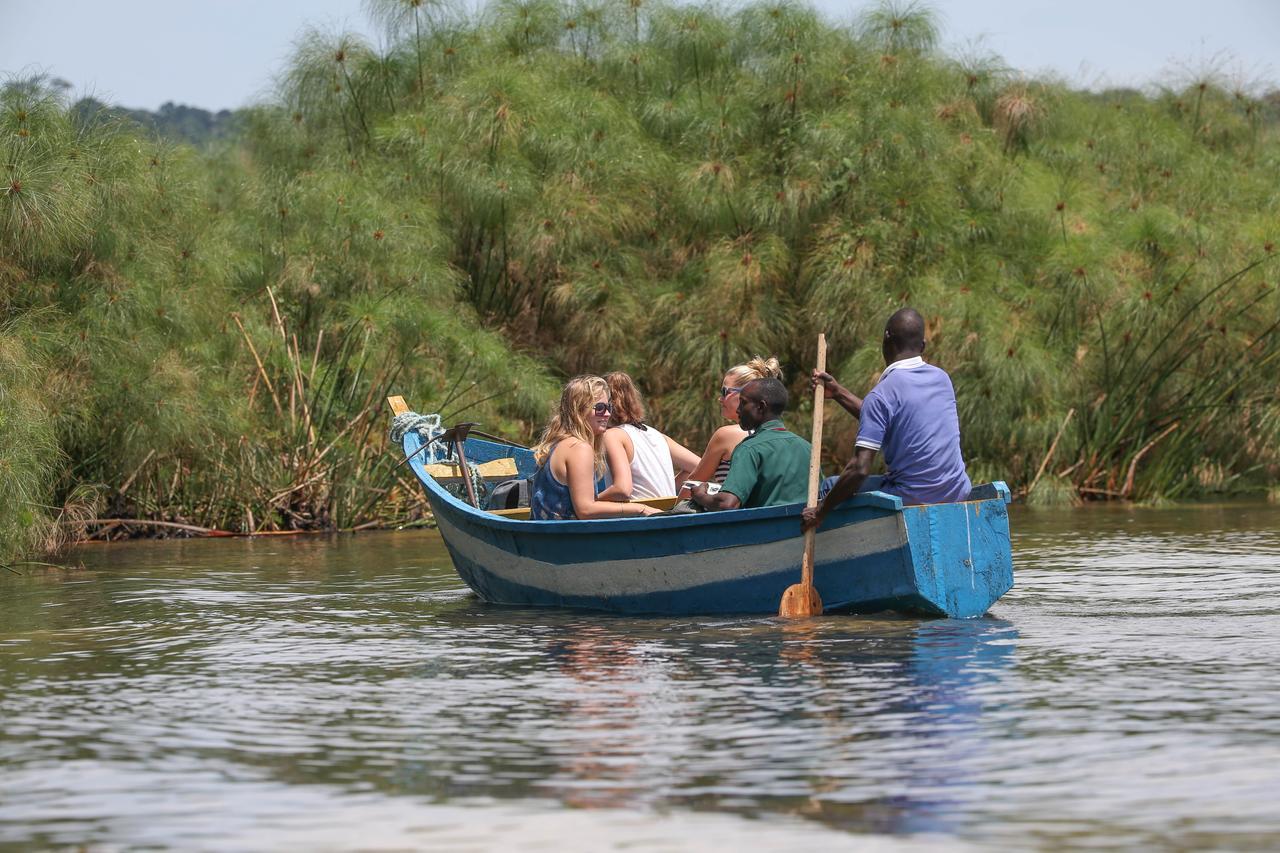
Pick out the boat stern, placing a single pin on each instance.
(961, 552)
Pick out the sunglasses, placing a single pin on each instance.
(602, 408)
(725, 390)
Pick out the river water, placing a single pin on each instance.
(349, 693)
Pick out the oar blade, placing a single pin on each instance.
(800, 600)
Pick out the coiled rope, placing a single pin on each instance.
(429, 427)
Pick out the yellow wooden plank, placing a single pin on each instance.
(398, 405)
(498, 469)
(520, 512)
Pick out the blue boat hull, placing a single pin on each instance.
(872, 554)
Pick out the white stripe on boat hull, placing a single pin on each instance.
(679, 571)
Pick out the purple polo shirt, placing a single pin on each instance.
(910, 417)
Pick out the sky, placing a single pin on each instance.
(223, 54)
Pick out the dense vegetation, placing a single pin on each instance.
(495, 203)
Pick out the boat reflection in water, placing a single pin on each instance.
(608, 735)
(868, 725)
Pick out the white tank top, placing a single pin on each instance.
(651, 469)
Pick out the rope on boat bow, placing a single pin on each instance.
(429, 428)
(426, 426)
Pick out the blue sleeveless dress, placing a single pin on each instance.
(549, 498)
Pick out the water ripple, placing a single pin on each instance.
(349, 692)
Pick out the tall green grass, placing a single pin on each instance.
(29, 453)
(495, 201)
(689, 185)
(216, 335)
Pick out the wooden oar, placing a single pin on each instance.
(801, 599)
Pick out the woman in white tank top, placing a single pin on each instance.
(642, 461)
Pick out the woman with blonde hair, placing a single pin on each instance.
(714, 464)
(642, 461)
(571, 457)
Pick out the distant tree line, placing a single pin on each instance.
(175, 122)
(178, 122)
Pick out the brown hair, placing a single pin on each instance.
(628, 405)
(570, 419)
(755, 368)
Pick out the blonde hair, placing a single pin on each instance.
(755, 368)
(628, 405)
(571, 419)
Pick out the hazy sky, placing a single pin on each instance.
(223, 53)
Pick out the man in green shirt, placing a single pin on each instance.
(770, 467)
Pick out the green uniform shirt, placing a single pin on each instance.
(770, 467)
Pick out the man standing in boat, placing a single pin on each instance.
(910, 416)
(770, 467)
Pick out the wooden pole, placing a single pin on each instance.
(466, 473)
(802, 599)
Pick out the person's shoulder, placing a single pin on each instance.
(903, 379)
(727, 436)
(569, 448)
(646, 430)
(577, 447)
(793, 438)
(934, 376)
(618, 437)
(775, 435)
(879, 391)
(744, 449)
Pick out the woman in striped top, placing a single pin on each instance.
(714, 464)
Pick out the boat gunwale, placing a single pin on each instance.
(589, 526)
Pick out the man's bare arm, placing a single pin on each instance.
(847, 486)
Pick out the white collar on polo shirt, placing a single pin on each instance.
(902, 364)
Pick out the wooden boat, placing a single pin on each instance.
(873, 553)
